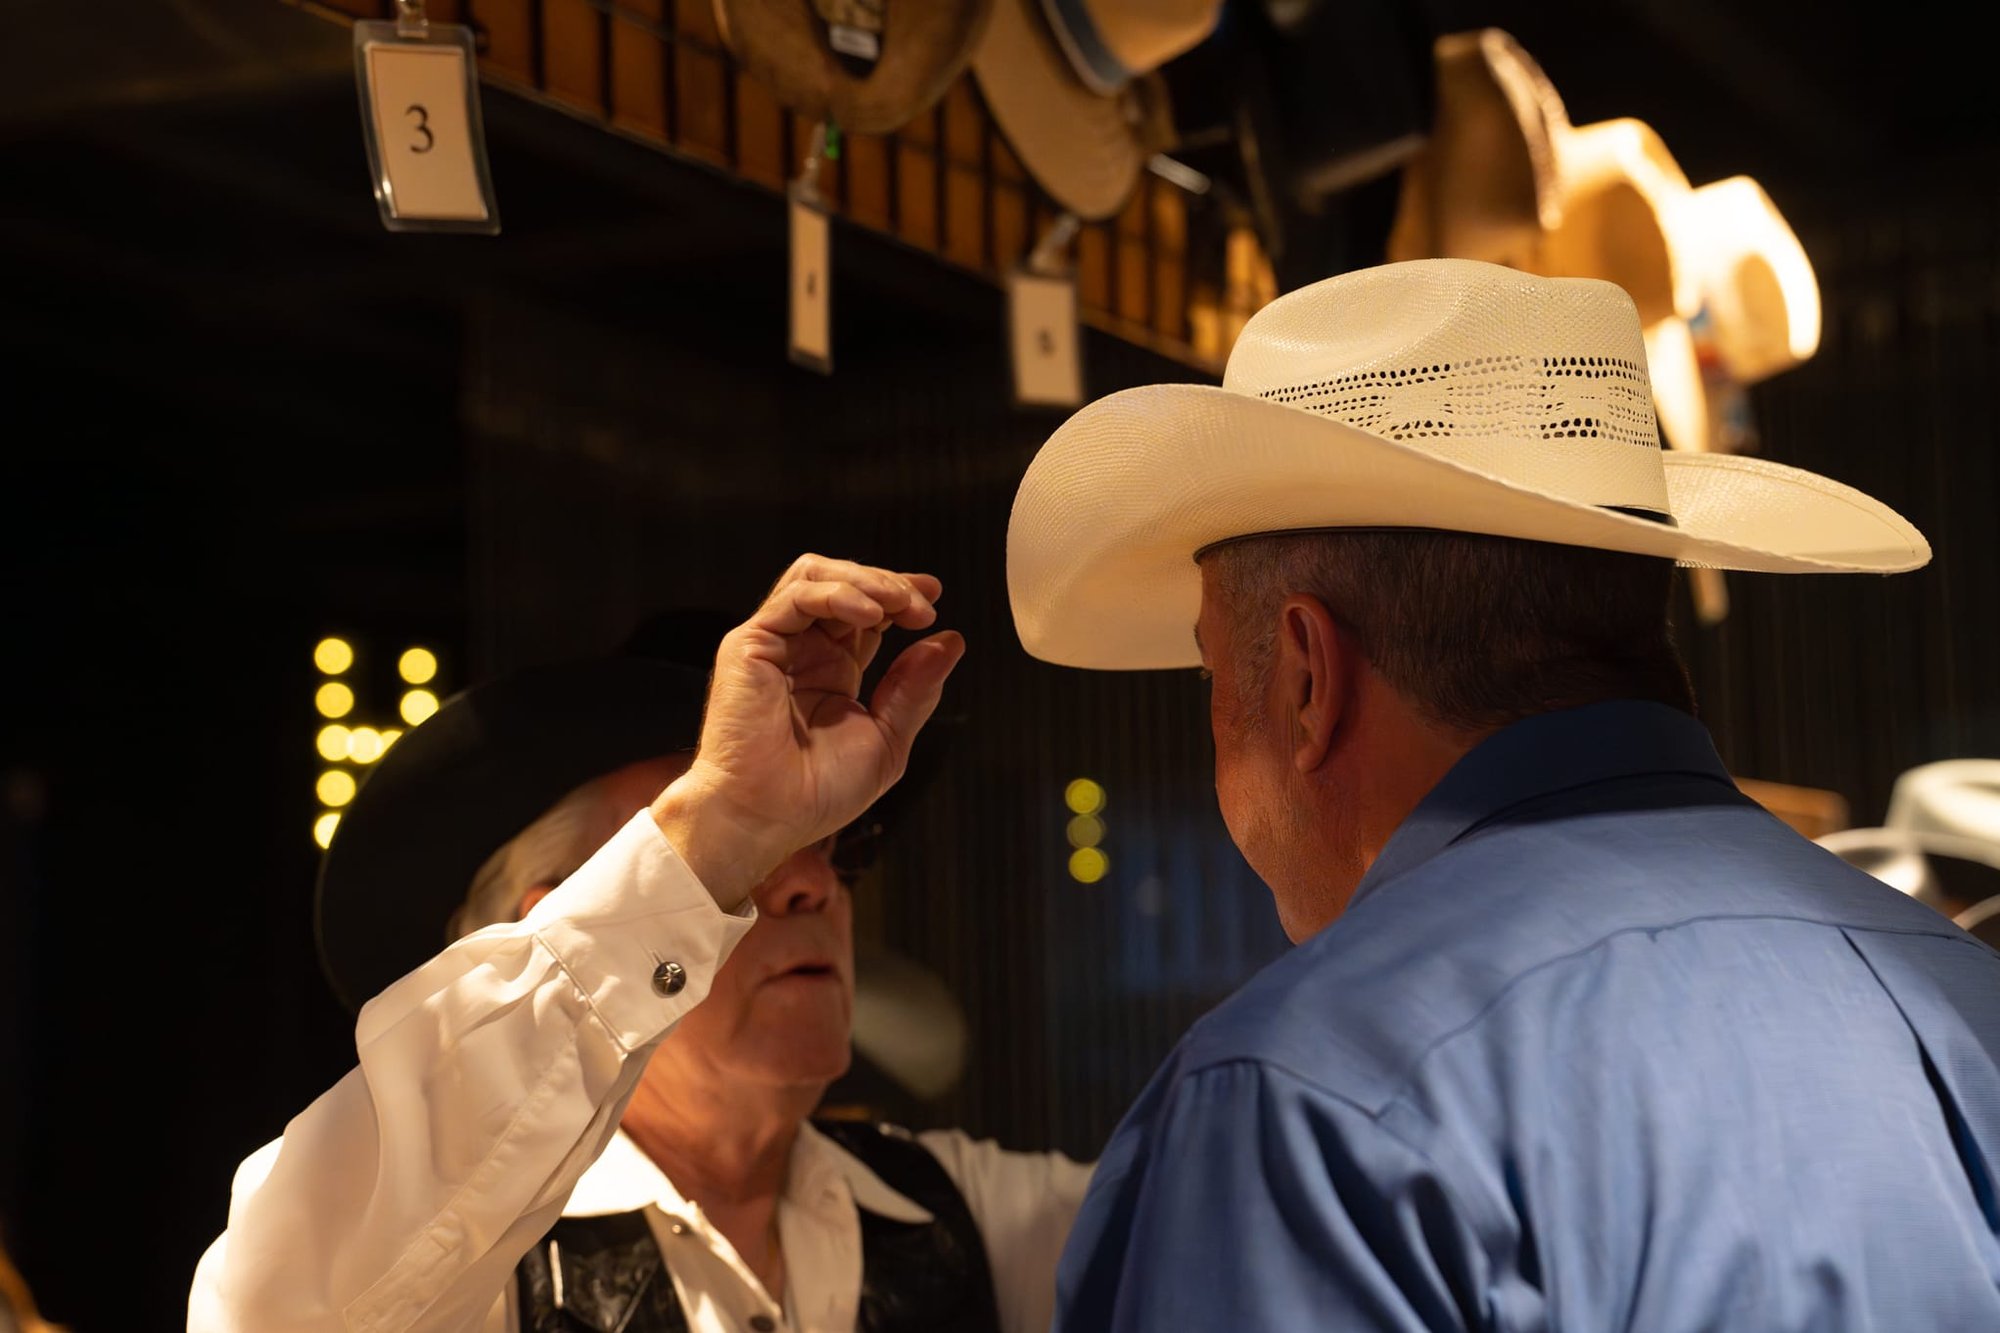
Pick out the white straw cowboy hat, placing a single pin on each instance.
(1908, 860)
(1956, 797)
(1484, 185)
(1508, 179)
(1951, 811)
(1445, 394)
(1752, 307)
(1751, 276)
(1065, 80)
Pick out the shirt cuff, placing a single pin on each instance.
(638, 934)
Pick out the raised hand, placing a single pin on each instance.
(789, 751)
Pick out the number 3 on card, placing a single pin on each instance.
(420, 117)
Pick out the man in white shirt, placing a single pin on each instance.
(595, 1115)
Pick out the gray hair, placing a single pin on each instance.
(548, 851)
(1475, 631)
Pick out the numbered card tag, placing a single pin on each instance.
(812, 280)
(1041, 319)
(420, 118)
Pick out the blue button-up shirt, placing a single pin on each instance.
(1598, 1044)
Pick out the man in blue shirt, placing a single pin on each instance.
(1576, 1036)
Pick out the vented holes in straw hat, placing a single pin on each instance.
(1463, 409)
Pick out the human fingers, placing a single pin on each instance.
(905, 599)
(910, 689)
(865, 645)
(799, 605)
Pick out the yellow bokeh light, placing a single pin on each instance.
(333, 742)
(335, 787)
(418, 665)
(1086, 831)
(390, 735)
(418, 705)
(1087, 865)
(333, 656)
(364, 745)
(324, 826)
(334, 699)
(1083, 797)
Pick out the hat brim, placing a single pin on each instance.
(1951, 867)
(924, 47)
(450, 792)
(1106, 523)
(1076, 143)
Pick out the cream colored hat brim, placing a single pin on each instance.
(1077, 144)
(1105, 526)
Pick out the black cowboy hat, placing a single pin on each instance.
(450, 792)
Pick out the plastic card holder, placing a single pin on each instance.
(1042, 338)
(419, 87)
(811, 286)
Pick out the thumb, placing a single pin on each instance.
(909, 690)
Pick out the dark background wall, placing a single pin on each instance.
(239, 416)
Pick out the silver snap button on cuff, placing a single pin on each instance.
(669, 978)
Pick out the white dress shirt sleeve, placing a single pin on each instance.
(489, 1080)
(1024, 1203)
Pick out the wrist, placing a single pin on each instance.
(726, 847)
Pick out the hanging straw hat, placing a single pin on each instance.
(1754, 310)
(869, 66)
(1724, 291)
(1751, 276)
(1065, 80)
(1508, 179)
(1484, 186)
(1445, 394)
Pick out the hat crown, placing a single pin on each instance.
(1539, 380)
(1955, 796)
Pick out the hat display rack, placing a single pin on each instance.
(947, 183)
(1476, 156)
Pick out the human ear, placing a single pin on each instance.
(1313, 661)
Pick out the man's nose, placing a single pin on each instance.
(804, 883)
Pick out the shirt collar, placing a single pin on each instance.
(817, 1159)
(1540, 755)
(624, 1180)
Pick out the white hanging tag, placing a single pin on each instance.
(812, 271)
(420, 118)
(812, 299)
(1042, 333)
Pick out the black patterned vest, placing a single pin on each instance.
(929, 1276)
